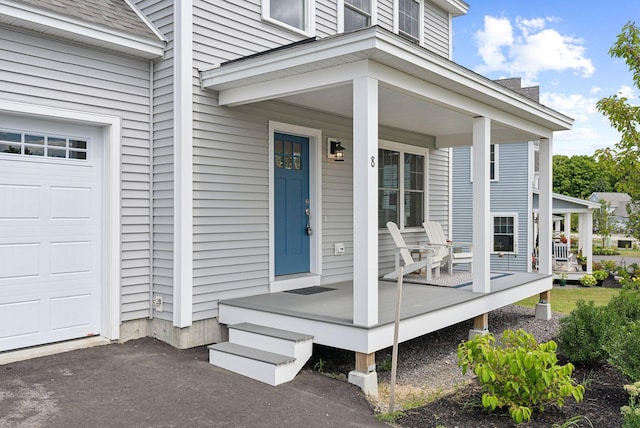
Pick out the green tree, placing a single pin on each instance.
(602, 221)
(623, 116)
(633, 223)
(580, 176)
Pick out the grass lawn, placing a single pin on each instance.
(563, 300)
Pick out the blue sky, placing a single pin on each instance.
(560, 45)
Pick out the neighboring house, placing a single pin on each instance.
(514, 176)
(168, 169)
(617, 206)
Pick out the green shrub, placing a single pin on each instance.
(626, 306)
(588, 281)
(623, 349)
(582, 333)
(631, 413)
(609, 265)
(519, 374)
(600, 275)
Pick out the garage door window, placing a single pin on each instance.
(35, 144)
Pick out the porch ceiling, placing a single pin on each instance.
(419, 91)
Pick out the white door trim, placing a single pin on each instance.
(315, 195)
(112, 126)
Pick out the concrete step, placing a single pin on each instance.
(266, 354)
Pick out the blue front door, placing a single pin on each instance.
(291, 180)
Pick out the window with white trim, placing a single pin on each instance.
(493, 162)
(357, 14)
(43, 145)
(401, 187)
(409, 18)
(504, 238)
(295, 14)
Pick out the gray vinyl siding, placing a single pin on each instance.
(436, 29)
(326, 17)
(385, 14)
(43, 71)
(161, 14)
(509, 194)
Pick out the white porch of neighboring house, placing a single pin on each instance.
(563, 208)
(378, 79)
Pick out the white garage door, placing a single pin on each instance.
(50, 231)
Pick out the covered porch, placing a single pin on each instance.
(383, 84)
(578, 247)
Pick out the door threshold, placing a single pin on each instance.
(291, 282)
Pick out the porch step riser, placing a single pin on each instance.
(267, 343)
(264, 372)
(269, 355)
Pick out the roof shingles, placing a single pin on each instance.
(115, 14)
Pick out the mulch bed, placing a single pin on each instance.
(603, 398)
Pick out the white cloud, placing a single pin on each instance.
(577, 106)
(529, 48)
(595, 90)
(627, 92)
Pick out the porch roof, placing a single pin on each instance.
(419, 90)
(563, 204)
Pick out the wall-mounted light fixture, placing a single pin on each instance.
(336, 151)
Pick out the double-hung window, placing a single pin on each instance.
(294, 14)
(409, 18)
(401, 187)
(505, 233)
(357, 14)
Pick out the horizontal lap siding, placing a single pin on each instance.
(161, 14)
(436, 27)
(509, 194)
(38, 70)
(385, 14)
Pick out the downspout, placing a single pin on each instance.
(151, 144)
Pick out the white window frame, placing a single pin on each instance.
(513, 215)
(414, 150)
(341, 6)
(396, 22)
(309, 18)
(495, 161)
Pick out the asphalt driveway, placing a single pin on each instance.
(146, 383)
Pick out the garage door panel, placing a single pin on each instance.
(70, 257)
(28, 202)
(20, 260)
(28, 312)
(71, 203)
(69, 312)
(50, 236)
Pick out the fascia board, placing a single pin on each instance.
(380, 46)
(79, 30)
(454, 7)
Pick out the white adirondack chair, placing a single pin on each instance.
(446, 250)
(429, 261)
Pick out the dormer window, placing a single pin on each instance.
(357, 14)
(409, 18)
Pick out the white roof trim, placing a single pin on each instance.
(381, 46)
(24, 15)
(454, 7)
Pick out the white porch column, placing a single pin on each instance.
(481, 205)
(567, 228)
(365, 201)
(545, 187)
(585, 240)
